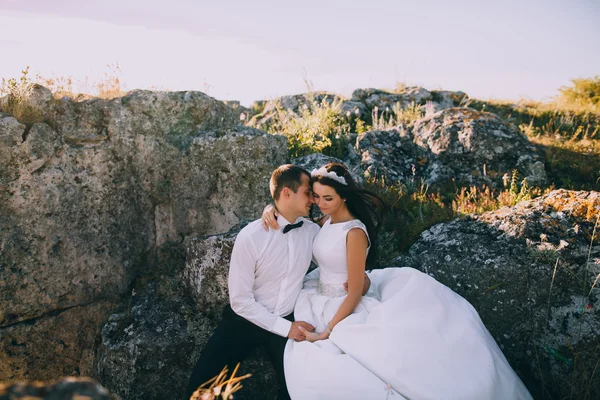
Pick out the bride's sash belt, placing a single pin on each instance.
(331, 290)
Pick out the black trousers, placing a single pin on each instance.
(231, 342)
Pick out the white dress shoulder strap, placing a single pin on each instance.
(356, 223)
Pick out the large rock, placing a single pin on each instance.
(456, 144)
(443, 99)
(382, 102)
(87, 198)
(382, 99)
(59, 344)
(363, 104)
(293, 104)
(149, 349)
(393, 156)
(526, 271)
(205, 278)
(146, 348)
(207, 268)
(476, 145)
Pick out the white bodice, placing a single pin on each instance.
(330, 252)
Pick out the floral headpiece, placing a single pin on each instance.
(328, 174)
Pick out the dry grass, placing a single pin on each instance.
(477, 200)
(19, 90)
(107, 87)
(16, 102)
(387, 118)
(220, 386)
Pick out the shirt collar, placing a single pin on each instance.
(283, 222)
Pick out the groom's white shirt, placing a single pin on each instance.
(267, 270)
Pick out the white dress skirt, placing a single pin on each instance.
(409, 338)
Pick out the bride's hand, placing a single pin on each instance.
(313, 336)
(269, 217)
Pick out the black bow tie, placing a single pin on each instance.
(289, 227)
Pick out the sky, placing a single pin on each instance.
(253, 50)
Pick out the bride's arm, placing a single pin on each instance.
(356, 244)
(269, 217)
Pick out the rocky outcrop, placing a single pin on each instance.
(88, 196)
(381, 100)
(100, 197)
(456, 144)
(364, 103)
(149, 348)
(531, 272)
(60, 343)
(64, 389)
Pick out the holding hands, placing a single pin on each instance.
(299, 330)
(313, 336)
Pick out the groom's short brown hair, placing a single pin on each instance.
(287, 175)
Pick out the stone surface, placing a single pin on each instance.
(381, 99)
(103, 196)
(207, 268)
(58, 344)
(89, 197)
(443, 99)
(363, 102)
(546, 320)
(393, 156)
(64, 389)
(459, 144)
(163, 329)
(291, 103)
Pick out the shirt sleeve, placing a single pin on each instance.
(241, 284)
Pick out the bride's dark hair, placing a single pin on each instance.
(362, 204)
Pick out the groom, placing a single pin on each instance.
(265, 277)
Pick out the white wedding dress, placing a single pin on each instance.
(409, 338)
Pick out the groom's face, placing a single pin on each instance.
(303, 198)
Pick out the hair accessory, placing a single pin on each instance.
(328, 174)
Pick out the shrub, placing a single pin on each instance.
(16, 101)
(584, 92)
(317, 127)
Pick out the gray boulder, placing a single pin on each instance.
(442, 99)
(478, 147)
(149, 348)
(382, 99)
(456, 144)
(53, 345)
(526, 271)
(89, 197)
(392, 156)
(293, 104)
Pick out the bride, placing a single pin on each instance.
(409, 337)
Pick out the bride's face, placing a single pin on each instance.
(328, 200)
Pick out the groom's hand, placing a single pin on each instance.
(366, 285)
(295, 332)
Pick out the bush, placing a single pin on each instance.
(315, 128)
(584, 92)
(16, 102)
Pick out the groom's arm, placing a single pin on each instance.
(241, 284)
